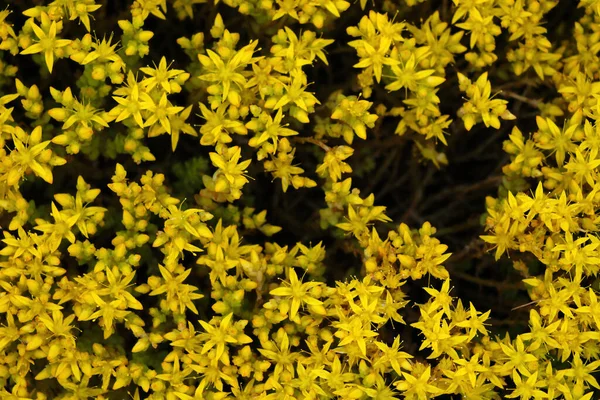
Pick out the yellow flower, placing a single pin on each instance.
(160, 112)
(47, 42)
(417, 384)
(299, 294)
(159, 76)
(31, 153)
(530, 388)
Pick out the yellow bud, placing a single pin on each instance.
(238, 295)
(33, 287)
(141, 239)
(34, 343)
(371, 265)
(221, 308)
(407, 261)
(145, 36)
(249, 285)
(86, 367)
(128, 220)
(85, 132)
(36, 108)
(13, 176)
(234, 97)
(33, 92)
(318, 20)
(130, 145)
(46, 373)
(131, 49)
(141, 345)
(221, 185)
(59, 114)
(318, 309)
(155, 339)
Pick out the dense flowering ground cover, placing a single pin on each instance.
(299, 199)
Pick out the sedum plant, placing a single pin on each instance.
(233, 200)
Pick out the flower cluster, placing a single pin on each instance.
(168, 280)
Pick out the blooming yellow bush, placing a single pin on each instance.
(226, 200)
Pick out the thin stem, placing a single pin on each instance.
(313, 141)
(522, 99)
